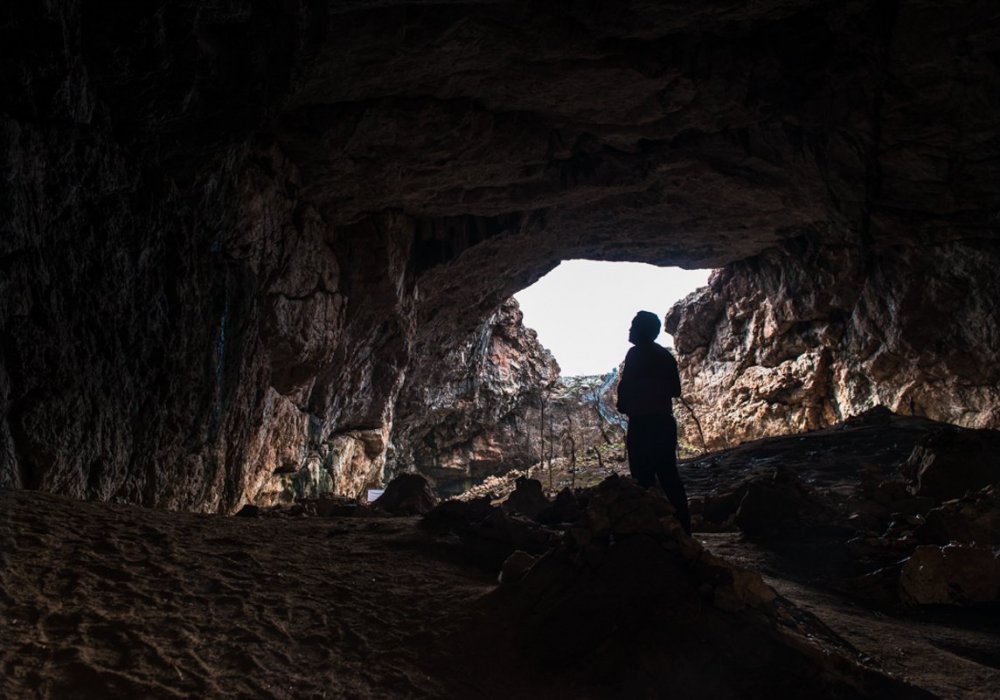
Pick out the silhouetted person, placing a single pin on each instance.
(645, 394)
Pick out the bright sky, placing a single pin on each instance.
(583, 308)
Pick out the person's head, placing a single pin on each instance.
(645, 327)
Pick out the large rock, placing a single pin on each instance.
(407, 494)
(973, 520)
(628, 601)
(480, 410)
(527, 499)
(951, 463)
(469, 415)
(803, 337)
(950, 575)
(774, 502)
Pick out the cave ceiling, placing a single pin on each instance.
(653, 131)
(520, 134)
(673, 133)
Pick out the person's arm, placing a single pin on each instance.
(626, 385)
(673, 377)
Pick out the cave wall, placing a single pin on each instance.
(801, 338)
(233, 232)
(176, 350)
(174, 313)
(470, 418)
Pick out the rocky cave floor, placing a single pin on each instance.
(605, 597)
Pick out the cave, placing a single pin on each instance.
(254, 251)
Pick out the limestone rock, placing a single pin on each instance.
(786, 342)
(344, 466)
(566, 508)
(465, 416)
(527, 498)
(765, 503)
(781, 501)
(489, 535)
(950, 575)
(479, 412)
(631, 602)
(952, 462)
(515, 567)
(407, 494)
(972, 520)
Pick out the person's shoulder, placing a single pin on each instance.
(665, 353)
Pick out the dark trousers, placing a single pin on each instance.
(652, 454)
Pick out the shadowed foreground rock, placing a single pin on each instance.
(950, 574)
(407, 494)
(602, 596)
(864, 507)
(628, 606)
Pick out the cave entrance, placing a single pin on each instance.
(582, 309)
(521, 414)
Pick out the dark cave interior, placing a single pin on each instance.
(244, 239)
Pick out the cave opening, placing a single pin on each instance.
(581, 310)
(541, 404)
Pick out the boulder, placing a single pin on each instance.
(527, 498)
(780, 500)
(973, 520)
(567, 508)
(515, 567)
(407, 494)
(631, 602)
(953, 462)
(951, 575)
(489, 534)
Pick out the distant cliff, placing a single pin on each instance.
(466, 417)
(497, 404)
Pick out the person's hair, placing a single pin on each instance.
(647, 325)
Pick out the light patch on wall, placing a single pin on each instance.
(583, 308)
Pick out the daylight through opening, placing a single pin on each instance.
(582, 309)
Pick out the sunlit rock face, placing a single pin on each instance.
(230, 232)
(802, 338)
(471, 416)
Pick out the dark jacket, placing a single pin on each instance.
(649, 381)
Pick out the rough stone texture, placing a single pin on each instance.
(949, 575)
(951, 463)
(481, 410)
(407, 494)
(527, 499)
(974, 520)
(594, 604)
(165, 316)
(349, 463)
(804, 337)
(468, 417)
(229, 230)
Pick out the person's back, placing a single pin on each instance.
(648, 384)
(649, 380)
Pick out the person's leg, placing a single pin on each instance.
(671, 483)
(670, 480)
(642, 453)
